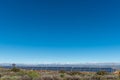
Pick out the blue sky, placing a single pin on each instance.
(59, 31)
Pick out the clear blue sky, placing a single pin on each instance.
(59, 31)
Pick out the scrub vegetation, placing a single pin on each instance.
(21, 74)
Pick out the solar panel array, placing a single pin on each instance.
(85, 69)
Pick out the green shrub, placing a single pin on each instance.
(15, 69)
(101, 73)
(33, 74)
(62, 75)
(22, 72)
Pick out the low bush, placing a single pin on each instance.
(62, 75)
(15, 69)
(74, 73)
(101, 73)
(33, 74)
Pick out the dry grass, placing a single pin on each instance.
(7, 74)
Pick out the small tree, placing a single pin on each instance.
(13, 65)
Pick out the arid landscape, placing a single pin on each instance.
(21, 74)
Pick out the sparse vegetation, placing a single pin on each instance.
(20, 74)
